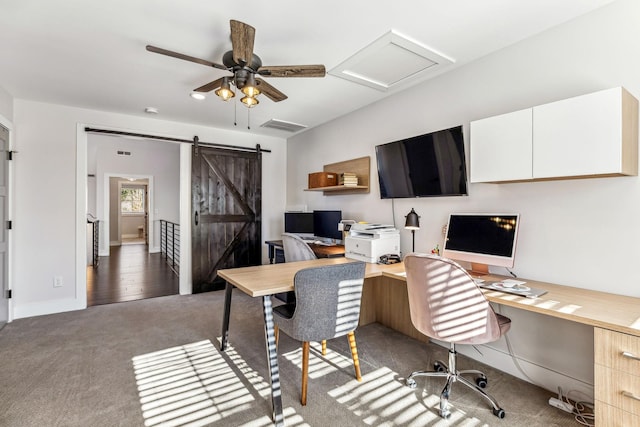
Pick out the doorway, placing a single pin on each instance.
(131, 210)
(132, 185)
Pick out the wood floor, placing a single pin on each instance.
(130, 273)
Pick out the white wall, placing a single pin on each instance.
(45, 238)
(160, 160)
(6, 105)
(581, 233)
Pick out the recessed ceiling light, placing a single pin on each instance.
(151, 110)
(197, 95)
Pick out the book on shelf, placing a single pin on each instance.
(348, 179)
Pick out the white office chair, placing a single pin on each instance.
(296, 249)
(446, 304)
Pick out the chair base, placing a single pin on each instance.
(453, 375)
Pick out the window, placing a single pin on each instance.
(132, 200)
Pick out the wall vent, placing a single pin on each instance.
(282, 125)
(124, 153)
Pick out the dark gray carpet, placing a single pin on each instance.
(156, 362)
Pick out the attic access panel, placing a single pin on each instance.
(391, 60)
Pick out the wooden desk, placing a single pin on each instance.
(276, 251)
(615, 318)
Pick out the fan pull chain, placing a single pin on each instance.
(249, 118)
(235, 114)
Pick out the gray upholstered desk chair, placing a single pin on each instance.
(446, 304)
(327, 306)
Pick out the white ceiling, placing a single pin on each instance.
(91, 54)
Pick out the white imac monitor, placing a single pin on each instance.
(482, 240)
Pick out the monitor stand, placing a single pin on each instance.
(478, 269)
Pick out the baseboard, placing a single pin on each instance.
(538, 375)
(48, 307)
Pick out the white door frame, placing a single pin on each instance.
(107, 211)
(81, 212)
(10, 192)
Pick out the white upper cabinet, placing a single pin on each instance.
(501, 147)
(586, 136)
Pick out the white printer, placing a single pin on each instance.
(367, 242)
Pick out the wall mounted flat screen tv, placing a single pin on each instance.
(427, 165)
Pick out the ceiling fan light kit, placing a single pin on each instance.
(250, 89)
(249, 101)
(225, 93)
(244, 65)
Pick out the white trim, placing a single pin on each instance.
(10, 190)
(42, 308)
(81, 220)
(186, 284)
(81, 229)
(148, 206)
(107, 201)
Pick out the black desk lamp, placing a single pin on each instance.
(412, 223)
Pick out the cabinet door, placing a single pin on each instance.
(579, 136)
(501, 147)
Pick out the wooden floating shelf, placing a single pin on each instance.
(358, 166)
(339, 188)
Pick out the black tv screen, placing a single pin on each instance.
(427, 165)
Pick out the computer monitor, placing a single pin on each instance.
(325, 224)
(482, 239)
(300, 223)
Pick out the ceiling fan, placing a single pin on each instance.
(244, 66)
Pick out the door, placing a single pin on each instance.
(227, 211)
(4, 210)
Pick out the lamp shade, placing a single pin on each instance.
(225, 93)
(413, 221)
(251, 88)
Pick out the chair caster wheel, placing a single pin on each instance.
(482, 382)
(445, 414)
(438, 367)
(410, 382)
(499, 413)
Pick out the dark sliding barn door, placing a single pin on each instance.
(226, 198)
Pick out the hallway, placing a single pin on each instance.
(130, 273)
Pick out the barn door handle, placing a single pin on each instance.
(196, 217)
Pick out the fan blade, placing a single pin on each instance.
(210, 86)
(242, 38)
(270, 92)
(293, 71)
(185, 57)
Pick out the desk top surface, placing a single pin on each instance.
(610, 311)
(321, 251)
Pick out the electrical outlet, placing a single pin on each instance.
(57, 281)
